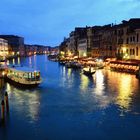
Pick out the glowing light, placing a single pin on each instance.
(99, 83)
(8, 62)
(62, 52)
(18, 60)
(124, 50)
(123, 98)
(69, 72)
(84, 82)
(13, 61)
(126, 56)
(84, 54)
(33, 101)
(75, 57)
(3, 73)
(69, 53)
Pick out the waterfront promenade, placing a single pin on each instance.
(69, 105)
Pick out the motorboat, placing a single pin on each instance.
(23, 76)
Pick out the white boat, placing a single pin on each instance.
(23, 76)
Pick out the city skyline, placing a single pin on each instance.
(48, 22)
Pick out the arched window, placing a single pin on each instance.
(133, 51)
(127, 51)
(130, 51)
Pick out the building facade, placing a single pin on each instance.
(120, 41)
(128, 39)
(4, 48)
(16, 43)
(82, 47)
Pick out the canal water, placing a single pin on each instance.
(70, 106)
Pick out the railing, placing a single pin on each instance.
(25, 81)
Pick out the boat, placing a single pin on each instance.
(23, 76)
(89, 71)
(74, 65)
(53, 58)
(62, 62)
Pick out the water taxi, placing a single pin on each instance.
(23, 76)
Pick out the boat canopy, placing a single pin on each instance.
(124, 63)
(23, 69)
(24, 72)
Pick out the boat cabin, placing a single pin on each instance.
(24, 75)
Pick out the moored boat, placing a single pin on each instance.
(74, 65)
(23, 76)
(89, 71)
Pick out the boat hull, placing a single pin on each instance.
(20, 85)
(88, 73)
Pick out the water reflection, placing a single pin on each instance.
(84, 82)
(125, 91)
(34, 61)
(67, 78)
(25, 101)
(69, 72)
(99, 89)
(102, 99)
(68, 100)
(30, 62)
(123, 87)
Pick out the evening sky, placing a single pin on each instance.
(47, 22)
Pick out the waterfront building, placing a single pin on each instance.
(16, 43)
(63, 48)
(108, 41)
(81, 38)
(97, 36)
(68, 47)
(72, 42)
(53, 50)
(4, 48)
(30, 50)
(41, 49)
(82, 47)
(90, 32)
(120, 41)
(128, 39)
(36, 49)
(74, 37)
